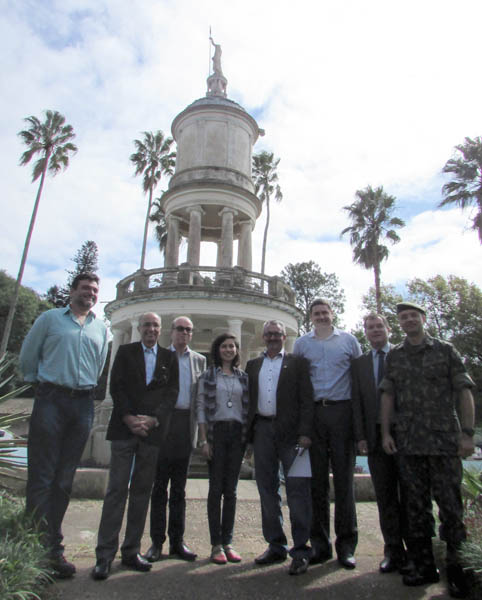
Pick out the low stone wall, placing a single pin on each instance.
(92, 483)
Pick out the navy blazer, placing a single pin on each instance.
(294, 398)
(131, 395)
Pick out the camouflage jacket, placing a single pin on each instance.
(425, 381)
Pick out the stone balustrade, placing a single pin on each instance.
(186, 277)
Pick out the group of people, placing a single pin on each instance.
(409, 408)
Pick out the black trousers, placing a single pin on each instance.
(172, 466)
(333, 444)
(224, 468)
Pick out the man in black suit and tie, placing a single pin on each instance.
(144, 388)
(280, 420)
(367, 372)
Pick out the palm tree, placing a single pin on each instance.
(265, 177)
(371, 224)
(159, 217)
(52, 141)
(153, 158)
(466, 187)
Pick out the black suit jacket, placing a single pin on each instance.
(294, 398)
(365, 399)
(131, 395)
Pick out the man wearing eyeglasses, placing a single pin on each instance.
(279, 422)
(175, 451)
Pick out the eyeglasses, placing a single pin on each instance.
(182, 329)
(273, 334)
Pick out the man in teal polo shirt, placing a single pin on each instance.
(63, 355)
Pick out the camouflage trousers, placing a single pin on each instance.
(440, 477)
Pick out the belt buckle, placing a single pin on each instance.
(323, 402)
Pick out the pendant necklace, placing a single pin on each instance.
(229, 391)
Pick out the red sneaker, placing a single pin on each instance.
(232, 555)
(217, 556)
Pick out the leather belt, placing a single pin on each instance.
(263, 418)
(326, 402)
(72, 392)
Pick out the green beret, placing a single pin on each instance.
(409, 306)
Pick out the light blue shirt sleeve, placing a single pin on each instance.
(58, 349)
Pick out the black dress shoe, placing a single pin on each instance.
(269, 557)
(457, 583)
(101, 570)
(298, 566)
(347, 560)
(389, 564)
(317, 558)
(182, 552)
(154, 553)
(137, 563)
(422, 575)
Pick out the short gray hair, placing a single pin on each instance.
(279, 324)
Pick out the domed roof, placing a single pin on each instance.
(216, 101)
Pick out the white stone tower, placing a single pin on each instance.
(210, 200)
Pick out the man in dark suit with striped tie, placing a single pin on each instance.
(367, 372)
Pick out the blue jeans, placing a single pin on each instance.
(59, 429)
(224, 468)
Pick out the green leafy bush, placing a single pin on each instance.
(471, 550)
(22, 557)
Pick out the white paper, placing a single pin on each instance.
(301, 466)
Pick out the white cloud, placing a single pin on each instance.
(351, 93)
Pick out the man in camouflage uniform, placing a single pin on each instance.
(423, 378)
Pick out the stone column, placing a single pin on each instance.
(227, 215)
(290, 342)
(194, 240)
(234, 326)
(245, 258)
(246, 341)
(135, 333)
(172, 246)
(219, 254)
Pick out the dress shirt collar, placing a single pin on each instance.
(336, 331)
(154, 348)
(280, 353)
(386, 349)
(186, 351)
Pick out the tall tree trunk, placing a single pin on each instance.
(265, 236)
(378, 295)
(146, 227)
(13, 303)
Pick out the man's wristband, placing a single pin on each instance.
(470, 431)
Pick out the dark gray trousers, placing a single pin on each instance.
(132, 470)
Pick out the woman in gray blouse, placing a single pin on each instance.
(222, 411)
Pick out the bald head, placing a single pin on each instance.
(150, 328)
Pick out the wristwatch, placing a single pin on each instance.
(470, 431)
(203, 443)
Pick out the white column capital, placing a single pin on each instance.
(196, 208)
(227, 210)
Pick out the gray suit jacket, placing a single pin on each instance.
(198, 365)
(365, 399)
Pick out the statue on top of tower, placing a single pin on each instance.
(217, 83)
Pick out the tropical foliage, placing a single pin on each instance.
(52, 141)
(266, 185)
(86, 261)
(152, 159)
(465, 188)
(372, 224)
(309, 282)
(23, 559)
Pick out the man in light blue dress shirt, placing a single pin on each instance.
(63, 354)
(330, 352)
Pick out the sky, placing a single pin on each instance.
(350, 93)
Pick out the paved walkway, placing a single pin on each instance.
(175, 579)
